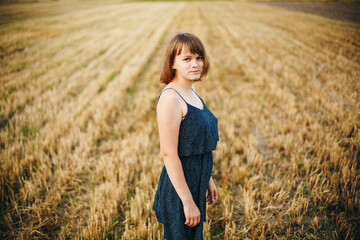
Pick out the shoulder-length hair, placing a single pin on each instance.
(174, 48)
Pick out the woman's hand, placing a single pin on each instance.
(192, 213)
(212, 193)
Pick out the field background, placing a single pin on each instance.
(79, 140)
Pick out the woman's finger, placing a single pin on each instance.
(191, 222)
(195, 222)
(211, 198)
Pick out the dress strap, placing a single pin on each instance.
(175, 91)
(196, 94)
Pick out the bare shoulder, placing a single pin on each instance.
(169, 104)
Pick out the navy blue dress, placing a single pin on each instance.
(198, 137)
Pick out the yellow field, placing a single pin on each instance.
(79, 139)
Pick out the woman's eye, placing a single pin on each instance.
(199, 58)
(186, 59)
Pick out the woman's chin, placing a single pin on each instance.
(194, 78)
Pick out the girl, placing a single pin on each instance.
(188, 133)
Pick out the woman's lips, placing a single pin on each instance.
(195, 71)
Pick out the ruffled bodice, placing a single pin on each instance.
(198, 132)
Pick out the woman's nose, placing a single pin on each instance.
(195, 63)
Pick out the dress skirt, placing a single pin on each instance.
(168, 205)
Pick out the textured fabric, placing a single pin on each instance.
(178, 230)
(198, 137)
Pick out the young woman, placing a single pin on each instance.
(188, 133)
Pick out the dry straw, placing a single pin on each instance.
(79, 142)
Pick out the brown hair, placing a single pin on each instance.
(174, 48)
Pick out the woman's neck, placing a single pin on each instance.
(183, 85)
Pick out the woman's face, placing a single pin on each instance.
(188, 65)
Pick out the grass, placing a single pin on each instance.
(79, 142)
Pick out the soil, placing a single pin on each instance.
(344, 11)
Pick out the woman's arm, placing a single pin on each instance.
(169, 119)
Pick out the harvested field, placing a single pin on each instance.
(79, 146)
(344, 11)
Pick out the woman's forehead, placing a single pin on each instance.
(185, 50)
